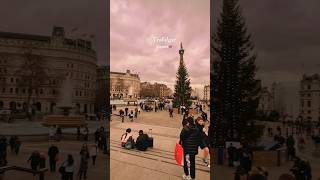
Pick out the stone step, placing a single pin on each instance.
(155, 154)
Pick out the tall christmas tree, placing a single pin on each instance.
(235, 89)
(182, 92)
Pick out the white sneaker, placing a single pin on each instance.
(185, 177)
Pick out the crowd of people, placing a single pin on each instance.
(241, 158)
(67, 168)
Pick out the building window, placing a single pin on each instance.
(309, 95)
(17, 90)
(3, 90)
(11, 80)
(80, 93)
(53, 91)
(41, 91)
(76, 92)
(11, 90)
(23, 91)
(302, 103)
(309, 112)
(309, 103)
(17, 80)
(67, 65)
(309, 86)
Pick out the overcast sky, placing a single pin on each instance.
(135, 24)
(286, 37)
(39, 17)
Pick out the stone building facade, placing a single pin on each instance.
(61, 58)
(124, 86)
(103, 88)
(266, 101)
(310, 97)
(156, 90)
(206, 93)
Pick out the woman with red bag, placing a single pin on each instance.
(190, 138)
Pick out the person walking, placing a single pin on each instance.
(190, 138)
(93, 153)
(68, 168)
(53, 152)
(84, 154)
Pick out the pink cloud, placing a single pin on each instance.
(135, 23)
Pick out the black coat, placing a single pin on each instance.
(142, 142)
(190, 138)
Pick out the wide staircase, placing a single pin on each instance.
(163, 156)
(64, 121)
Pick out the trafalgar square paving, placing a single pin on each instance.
(156, 163)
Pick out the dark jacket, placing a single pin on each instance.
(190, 138)
(142, 142)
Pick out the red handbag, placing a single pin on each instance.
(178, 154)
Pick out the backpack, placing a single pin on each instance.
(129, 144)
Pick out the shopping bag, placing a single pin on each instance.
(178, 153)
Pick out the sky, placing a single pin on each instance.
(39, 16)
(136, 26)
(286, 37)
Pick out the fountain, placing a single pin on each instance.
(63, 115)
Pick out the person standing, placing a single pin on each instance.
(42, 164)
(34, 160)
(69, 167)
(86, 133)
(78, 133)
(131, 115)
(190, 138)
(59, 133)
(136, 113)
(51, 133)
(84, 154)
(17, 145)
(126, 110)
(93, 153)
(204, 139)
(96, 135)
(171, 112)
(12, 142)
(53, 157)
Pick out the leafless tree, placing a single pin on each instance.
(33, 75)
